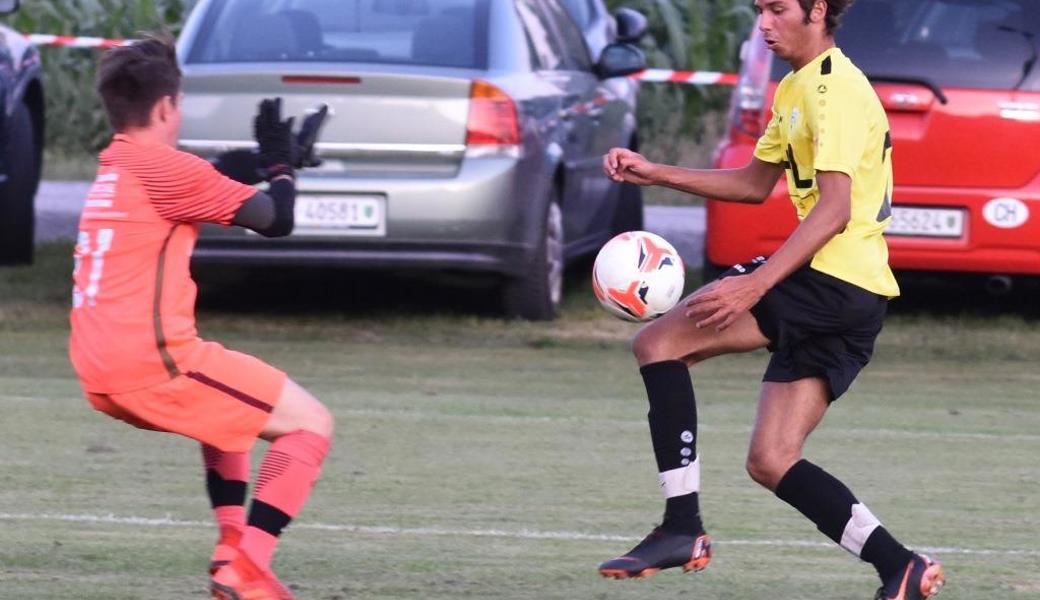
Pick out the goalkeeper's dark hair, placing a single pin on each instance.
(131, 79)
(835, 10)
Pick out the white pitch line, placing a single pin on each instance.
(524, 534)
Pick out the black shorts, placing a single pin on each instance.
(817, 325)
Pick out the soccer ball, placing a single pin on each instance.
(638, 276)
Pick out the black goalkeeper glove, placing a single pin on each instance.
(303, 154)
(275, 138)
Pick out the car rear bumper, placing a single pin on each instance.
(992, 241)
(501, 258)
(982, 249)
(737, 233)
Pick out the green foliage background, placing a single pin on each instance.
(696, 35)
(684, 34)
(75, 121)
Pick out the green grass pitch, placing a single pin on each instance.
(481, 459)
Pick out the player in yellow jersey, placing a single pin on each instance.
(817, 304)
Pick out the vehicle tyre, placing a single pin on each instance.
(628, 216)
(17, 216)
(536, 294)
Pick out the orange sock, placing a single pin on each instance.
(226, 476)
(286, 477)
(230, 518)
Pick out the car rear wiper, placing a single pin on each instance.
(928, 83)
(1027, 67)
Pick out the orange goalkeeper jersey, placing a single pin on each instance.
(133, 299)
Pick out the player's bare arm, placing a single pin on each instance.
(750, 184)
(728, 298)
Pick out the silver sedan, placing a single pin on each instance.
(463, 134)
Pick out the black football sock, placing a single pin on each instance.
(837, 514)
(226, 474)
(673, 431)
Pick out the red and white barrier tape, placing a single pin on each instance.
(687, 77)
(652, 75)
(68, 41)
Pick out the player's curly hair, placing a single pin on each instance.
(835, 10)
(131, 79)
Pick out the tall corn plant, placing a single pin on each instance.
(75, 121)
(687, 35)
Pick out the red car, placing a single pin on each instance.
(961, 85)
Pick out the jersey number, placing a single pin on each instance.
(95, 258)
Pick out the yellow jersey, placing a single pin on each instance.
(827, 117)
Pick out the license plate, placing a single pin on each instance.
(926, 222)
(340, 215)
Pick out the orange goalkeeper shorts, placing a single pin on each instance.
(224, 399)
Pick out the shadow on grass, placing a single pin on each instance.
(376, 293)
(339, 291)
(944, 294)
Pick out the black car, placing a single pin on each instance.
(21, 140)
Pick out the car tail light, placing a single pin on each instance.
(747, 113)
(492, 117)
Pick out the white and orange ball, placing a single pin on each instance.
(638, 276)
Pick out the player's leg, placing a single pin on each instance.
(665, 350)
(300, 430)
(226, 400)
(297, 410)
(226, 476)
(787, 413)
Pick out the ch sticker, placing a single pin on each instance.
(1006, 213)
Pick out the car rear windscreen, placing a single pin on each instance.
(442, 33)
(987, 44)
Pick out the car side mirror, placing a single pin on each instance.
(618, 60)
(631, 25)
(8, 6)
